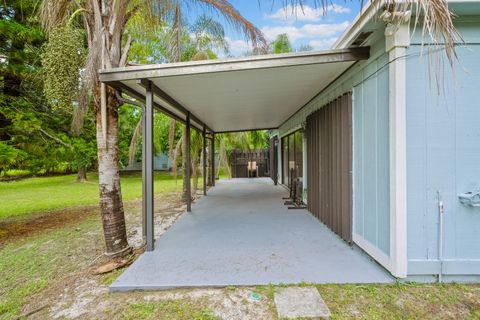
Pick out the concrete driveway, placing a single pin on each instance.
(242, 234)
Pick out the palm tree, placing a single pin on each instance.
(105, 23)
(196, 42)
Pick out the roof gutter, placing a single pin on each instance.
(367, 14)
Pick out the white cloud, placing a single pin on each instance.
(322, 44)
(307, 31)
(291, 13)
(238, 46)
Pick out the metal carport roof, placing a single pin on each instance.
(256, 92)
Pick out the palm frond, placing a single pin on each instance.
(209, 34)
(236, 20)
(434, 16)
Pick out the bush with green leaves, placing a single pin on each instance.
(9, 156)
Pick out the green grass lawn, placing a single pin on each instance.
(22, 197)
(37, 268)
(29, 266)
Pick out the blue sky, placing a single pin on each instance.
(311, 26)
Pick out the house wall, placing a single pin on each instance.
(369, 82)
(161, 161)
(443, 155)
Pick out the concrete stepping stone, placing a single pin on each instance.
(300, 302)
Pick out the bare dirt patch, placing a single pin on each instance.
(19, 228)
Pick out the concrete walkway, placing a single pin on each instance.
(242, 234)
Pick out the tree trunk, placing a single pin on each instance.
(132, 149)
(223, 161)
(194, 175)
(184, 164)
(209, 162)
(82, 175)
(111, 205)
(171, 140)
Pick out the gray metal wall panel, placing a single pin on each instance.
(329, 148)
(375, 68)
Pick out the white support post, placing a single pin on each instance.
(397, 38)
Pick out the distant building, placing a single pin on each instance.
(161, 162)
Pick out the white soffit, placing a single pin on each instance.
(237, 96)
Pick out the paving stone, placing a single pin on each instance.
(300, 302)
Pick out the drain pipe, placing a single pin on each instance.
(441, 211)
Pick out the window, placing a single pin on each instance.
(292, 157)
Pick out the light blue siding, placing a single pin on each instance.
(369, 82)
(371, 156)
(443, 154)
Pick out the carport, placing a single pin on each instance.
(242, 234)
(218, 96)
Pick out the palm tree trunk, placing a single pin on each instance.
(132, 148)
(209, 162)
(224, 161)
(194, 176)
(184, 164)
(171, 139)
(111, 206)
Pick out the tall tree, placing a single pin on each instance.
(20, 41)
(179, 41)
(34, 136)
(105, 22)
(281, 44)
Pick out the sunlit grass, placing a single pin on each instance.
(21, 197)
(29, 266)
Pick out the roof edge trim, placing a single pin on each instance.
(249, 63)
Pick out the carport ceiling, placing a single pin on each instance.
(258, 92)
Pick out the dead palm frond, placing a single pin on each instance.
(436, 20)
(54, 13)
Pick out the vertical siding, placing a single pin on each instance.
(371, 156)
(369, 82)
(329, 147)
(443, 153)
